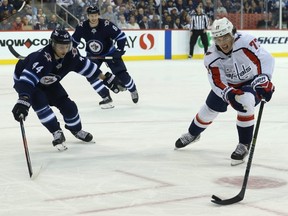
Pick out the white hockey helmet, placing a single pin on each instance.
(221, 27)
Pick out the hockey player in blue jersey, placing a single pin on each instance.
(37, 82)
(101, 36)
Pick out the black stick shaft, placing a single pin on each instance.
(240, 196)
(249, 163)
(26, 148)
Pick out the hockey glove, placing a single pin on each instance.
(229, 96)
(21, 108)
(118, 53)
(263, 87)
(113, 83)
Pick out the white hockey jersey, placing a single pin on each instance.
(246, 60)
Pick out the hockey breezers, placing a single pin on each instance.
(241, 194)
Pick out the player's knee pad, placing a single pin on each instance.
(206, 115)
(248, 99)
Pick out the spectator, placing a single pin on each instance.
(17, 25)
(177, 24)
(53, 23)
(122, 12)
(41, 24)
(180, 5)
(190, 6)
(141, 4)
(174, 13)
(220, 10)
(164, 6)
(247, 8)
(168, 23)
(170, 5)
(143, 24)
(122, 23)
(209, 10)
(109, 15)
(151, 12)
(31, 13)
(5, 25)
(6, 6)
(132, 23)
(40, 13)
(187, 24)
(26, 24)
(154, 23)
(230, 7)
(182, 17)
(139, 15)
(5, 15)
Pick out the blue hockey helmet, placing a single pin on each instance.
(93, 10)
(61, 36)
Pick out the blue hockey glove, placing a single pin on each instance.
(21, 108)
(229, 96)
(263, 87)
(113, 83)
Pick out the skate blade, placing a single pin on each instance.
(107, 106)
(236, 162)
(61, 147)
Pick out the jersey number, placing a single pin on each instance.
(39, 68)
(254, 44)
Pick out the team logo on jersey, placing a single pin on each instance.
(147, 41)
(95, 46)
(48, 57)
(48, 80)
(106, 23)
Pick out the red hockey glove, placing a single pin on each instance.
(263, 87)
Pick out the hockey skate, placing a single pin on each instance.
(106, 103)
(135, 96)
(82, 135)
(59, 140)
(185, 140)
(238, 156)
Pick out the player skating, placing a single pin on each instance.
(239, 72)
(37, 82)
(101, 36)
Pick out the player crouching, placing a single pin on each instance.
(239, 72)
(37, 82)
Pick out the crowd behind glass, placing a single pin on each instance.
(142, 14)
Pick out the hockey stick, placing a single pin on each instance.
(26, 147)
(16, 54)
(241, 194)
(101, 57)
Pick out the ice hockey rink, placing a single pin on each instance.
(132, 168)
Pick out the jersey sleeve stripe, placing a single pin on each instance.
(216, 77)
(254, 59)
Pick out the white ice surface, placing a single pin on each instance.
(132, 168)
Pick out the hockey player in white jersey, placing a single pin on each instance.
(240, 73)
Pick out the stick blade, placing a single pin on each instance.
(230, 201)
(36, 174)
